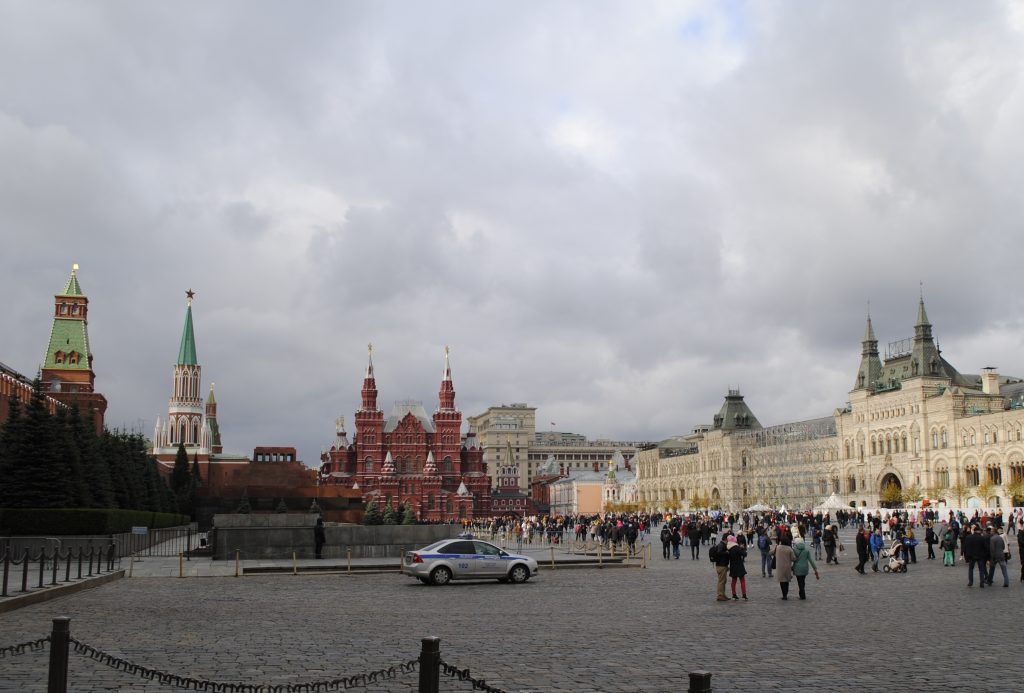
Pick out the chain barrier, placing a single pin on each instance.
(464, 675)
(24, 647)
(189, 683)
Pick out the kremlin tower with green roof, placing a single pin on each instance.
(189, 422)
(67, 374)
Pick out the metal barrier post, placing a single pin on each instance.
(188, 544)
(56, 556)
(700, 682)
(430, 665)
(131, 565)
(24, 572)
(60, 640)
(598, 554)
(401, 561)
(181, 565)
(349, 552)
(42, 564)
(552, 558)
(7, 570)
(237, 561)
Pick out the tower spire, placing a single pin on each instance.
(870, 371)
(446, 396)
(187, 350)
(369, 383)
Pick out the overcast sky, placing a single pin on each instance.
(611, 211)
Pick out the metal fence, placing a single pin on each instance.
(25, 569)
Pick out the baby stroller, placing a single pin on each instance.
(895, 564)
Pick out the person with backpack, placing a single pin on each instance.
(676, 539)
(719, 555)
(666, 538)
(764, 545)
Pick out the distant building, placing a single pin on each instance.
(517, 423)
(912, 422)
(598, 490)
(410, 458)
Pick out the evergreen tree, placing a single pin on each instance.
(408, 516)
(371, 516)
(95, 469)
(10, 436)
(37, 474)
(79, 494)
(388, 516)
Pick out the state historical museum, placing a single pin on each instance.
(411, 459)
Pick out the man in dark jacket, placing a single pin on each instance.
(720, 556)
(666, 539)
(997, 555)
(693, 536)
(975, 550)
(862, 549)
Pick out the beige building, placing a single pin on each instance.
(511, 430)
(593, 492)
(912, 421)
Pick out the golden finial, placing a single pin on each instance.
(369, 348)
(74, 268)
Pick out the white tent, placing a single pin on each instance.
(831, 503)
(758, 508)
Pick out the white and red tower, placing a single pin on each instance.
(185, 423)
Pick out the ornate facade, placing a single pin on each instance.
(410, 458)
(912, 421)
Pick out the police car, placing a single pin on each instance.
(466, 558)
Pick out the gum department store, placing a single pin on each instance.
(912, 420)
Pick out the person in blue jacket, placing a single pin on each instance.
(877, 544)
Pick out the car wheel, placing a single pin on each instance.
(886, 569)
(440, 575)
(519, 574)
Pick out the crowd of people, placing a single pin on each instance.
(788, 545)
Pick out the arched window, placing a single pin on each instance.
(195, 432)
(58, 357)
(945, 439)
(368, 465)
(447, 464)
(935, 440)
(63, 308)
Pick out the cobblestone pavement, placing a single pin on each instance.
(566, 630)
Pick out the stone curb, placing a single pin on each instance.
(46, 594)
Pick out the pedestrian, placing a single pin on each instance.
(737, 570)
(693, 536)
(784, 557)
(1020, 548)
(764, 545)
(719, 555)
(931, 540)
(975, 549)
(676, 540)
(998, 555)
(828, 538)
(319, 537)
(817, 542)
(666, 540)
(910, 544)
(949, 548)
(862, 550)
(876, 544)
(802, 565)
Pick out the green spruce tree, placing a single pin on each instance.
(11, 432)
(94, 467)
(388, 516)
(371, 516)
(408, 516)
(38, 471)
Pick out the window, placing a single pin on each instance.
(58, 357)
(368, 465)
(945, 439)
(942, 478)
(63, 308)
(995, 475)
(935, 440)
(972, 476)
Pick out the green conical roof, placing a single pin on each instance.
(72, 288)
(187, 352)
